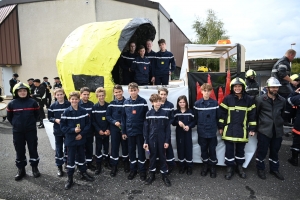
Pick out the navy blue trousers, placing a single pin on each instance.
(102, 141)
(60, 158)
(78, 153)
(162, 80)
(133, 142)
(20, 139)
(296, 143)
(116, 140)
(157, 150)
(265, 143)
(236, 156)
(184, 148)
(208, 150)
(89, 149)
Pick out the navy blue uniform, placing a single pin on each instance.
(162, 67)
(54, 112)
(90, 135)
(169, 107)
(126, 61)
(22, 113)
(100, 124)
(133, 117)
(141, 68)
(157, 132)
(69, 121)
(184, 138)
(152, 57)
(206, 117)
(113, 115)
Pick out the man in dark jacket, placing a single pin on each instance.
(40, 95)
(31, 85)
(151, 55)
(13, 82)
(126, 62)
(270, 110)
(252, 87)
(141, 67)
(48, 87)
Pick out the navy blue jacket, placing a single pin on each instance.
(152, 57)
(114, 112)
(22, 113)
(206, 117)
(69, 121)
(54, 112)
(163, 62)
(126, 60)
(141, 67)
(133, 116)
(294, 100)
(88, 106)
(187, 118)
(99, 119)
(157, 126)
(169, 107)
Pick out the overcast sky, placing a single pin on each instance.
(266, 28)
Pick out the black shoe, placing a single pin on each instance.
(131, 175)
(229, 173)
(126, 166)
(60, 172)
(166, 180)
(143, 176)
(213, 173)
(240, 171)
(41, 126)
(294, 159)
(90, 166)
(181, 170)
(170, 169)
(261, 174)
(113, 171)
(150, 178)
(20, 174)
(86, 176)
(204, 169)
(35, 171)
(277, 175)
(69, 182)
(189, 171)
(98, 169)
(107, 164)
(65, 167)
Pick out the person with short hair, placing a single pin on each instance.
(75, 124)
(157, 135)
(57, 83)
(40, 96)
(22, 114)
(31, 85)
(141, 67)
(151, 55)
(126, 61)
(13, 82)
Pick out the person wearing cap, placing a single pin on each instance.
(39, 95)
(270, 110)
(237, 120)
(22, 113)
(13, 82)
(31, 85)
(48, 87)
(252, 87)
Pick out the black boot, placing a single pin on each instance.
(86, 176)
(107, 163)
(240, 171)
(166, 180)
(189, 171)
(90, 166)
(294, 159)
(181, 170)
(126, 166)
(131, 175)
(35, 171)
(229, 173)
(98, 169)
(143, 176)
(150, 178)
(213, 173)
(69, 182)
(20, 174)
(204, 169)
(261, 174)
(60, 172)
(41, 126)
(113, 171)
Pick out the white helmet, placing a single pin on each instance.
(273, 82)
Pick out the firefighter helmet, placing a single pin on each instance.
(202, 69)
(237, 81)
(295, 77)
(273, 82)
(250, 72)
(20, 86)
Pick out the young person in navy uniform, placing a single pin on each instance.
(54, 114)
(184, 122)
(162, 69)
(22, 113)
(75, 124)
(113, 116)
(206, 117)
(133, 117)
(157, 135)
(40, 96)
(151, 55)
(88, 105)
(101, 127)
(141, 67)
(126, 61)
(169, 107)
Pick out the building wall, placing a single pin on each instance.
(164, 30)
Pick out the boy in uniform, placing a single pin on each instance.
(114, 115)
(157, 135)
(75, 124)
(22, 113)
(133, 116)
(54, 114)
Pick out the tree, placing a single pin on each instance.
(209, 32)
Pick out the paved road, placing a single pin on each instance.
(49, 186)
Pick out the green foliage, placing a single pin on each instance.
(295, 68)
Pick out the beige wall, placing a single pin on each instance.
(164, 30)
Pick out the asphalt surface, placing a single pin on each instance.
(49, 186)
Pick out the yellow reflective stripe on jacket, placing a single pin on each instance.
(221, 120)
(252, 107)
(234, 139)
(224, 106)
(252, 123)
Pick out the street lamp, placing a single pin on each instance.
(292, 45)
